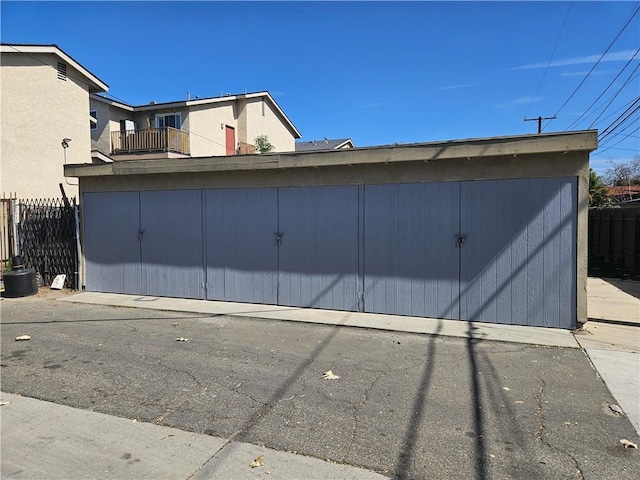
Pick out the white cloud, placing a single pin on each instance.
(624, 55)
(455, 87)
(525, 100)
(582, 74)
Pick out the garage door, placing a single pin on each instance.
(492, 251)
(112, 247)
(171, 254)
(518, 260)
(318, 254)
(411, 263)
(241, 249)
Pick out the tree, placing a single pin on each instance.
(624, 174)
(262, 144)
(597, 191)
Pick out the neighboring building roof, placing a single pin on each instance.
(623, 190)
(95, 84)
(201, 101)
(326, 144)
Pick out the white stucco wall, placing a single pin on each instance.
(38, 110)
(205, 124)
(268, 124)
(100, 139)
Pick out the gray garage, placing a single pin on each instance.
(489, 230)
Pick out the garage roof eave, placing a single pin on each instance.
(584, 141)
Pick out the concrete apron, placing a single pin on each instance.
(46, 440)
(611, 339)
(396, 323)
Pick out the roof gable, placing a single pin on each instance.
(95, 84)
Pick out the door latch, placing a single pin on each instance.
(140, 235)
(460, 239)
(279, 236)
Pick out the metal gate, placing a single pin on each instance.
(48, 238)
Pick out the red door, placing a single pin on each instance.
(230, 139)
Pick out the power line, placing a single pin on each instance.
(611, 128)
(619, 142)
(550, 59)
(603, 92)
(596, 64)
(616, 94)
(618, 110)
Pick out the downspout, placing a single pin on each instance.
(78, 248)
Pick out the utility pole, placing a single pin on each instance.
(539, 120)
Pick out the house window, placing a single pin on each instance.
(171, 120)
(62, 71)
(93, 120)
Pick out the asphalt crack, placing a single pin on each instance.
(540, 433)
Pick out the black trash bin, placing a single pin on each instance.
(20, 283)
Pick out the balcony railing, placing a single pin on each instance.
(150, 140)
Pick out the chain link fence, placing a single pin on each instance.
(48, 238)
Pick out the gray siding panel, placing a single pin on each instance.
(518, 263)
(241, 249)
(172, 261)
(112, 248)
(411, 260)
(318, 257)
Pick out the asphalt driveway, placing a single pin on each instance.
(405, 405)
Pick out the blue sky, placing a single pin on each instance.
(378, 72)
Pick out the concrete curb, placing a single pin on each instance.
(430, 326)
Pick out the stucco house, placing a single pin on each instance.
(44, 119)
(52, 112)
(217, 126)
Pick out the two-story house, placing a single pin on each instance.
(52, 112)
(199, 127)
(44, 119)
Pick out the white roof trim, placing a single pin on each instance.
(346, 142)
(92, 80)
(201, 101)
(97, 154)
(114, 103)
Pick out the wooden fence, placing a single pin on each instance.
(614, 235)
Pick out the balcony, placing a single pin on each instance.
(150, 140)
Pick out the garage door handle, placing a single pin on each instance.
(279, 236)
(460, 240)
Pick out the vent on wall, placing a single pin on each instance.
(62, 71)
